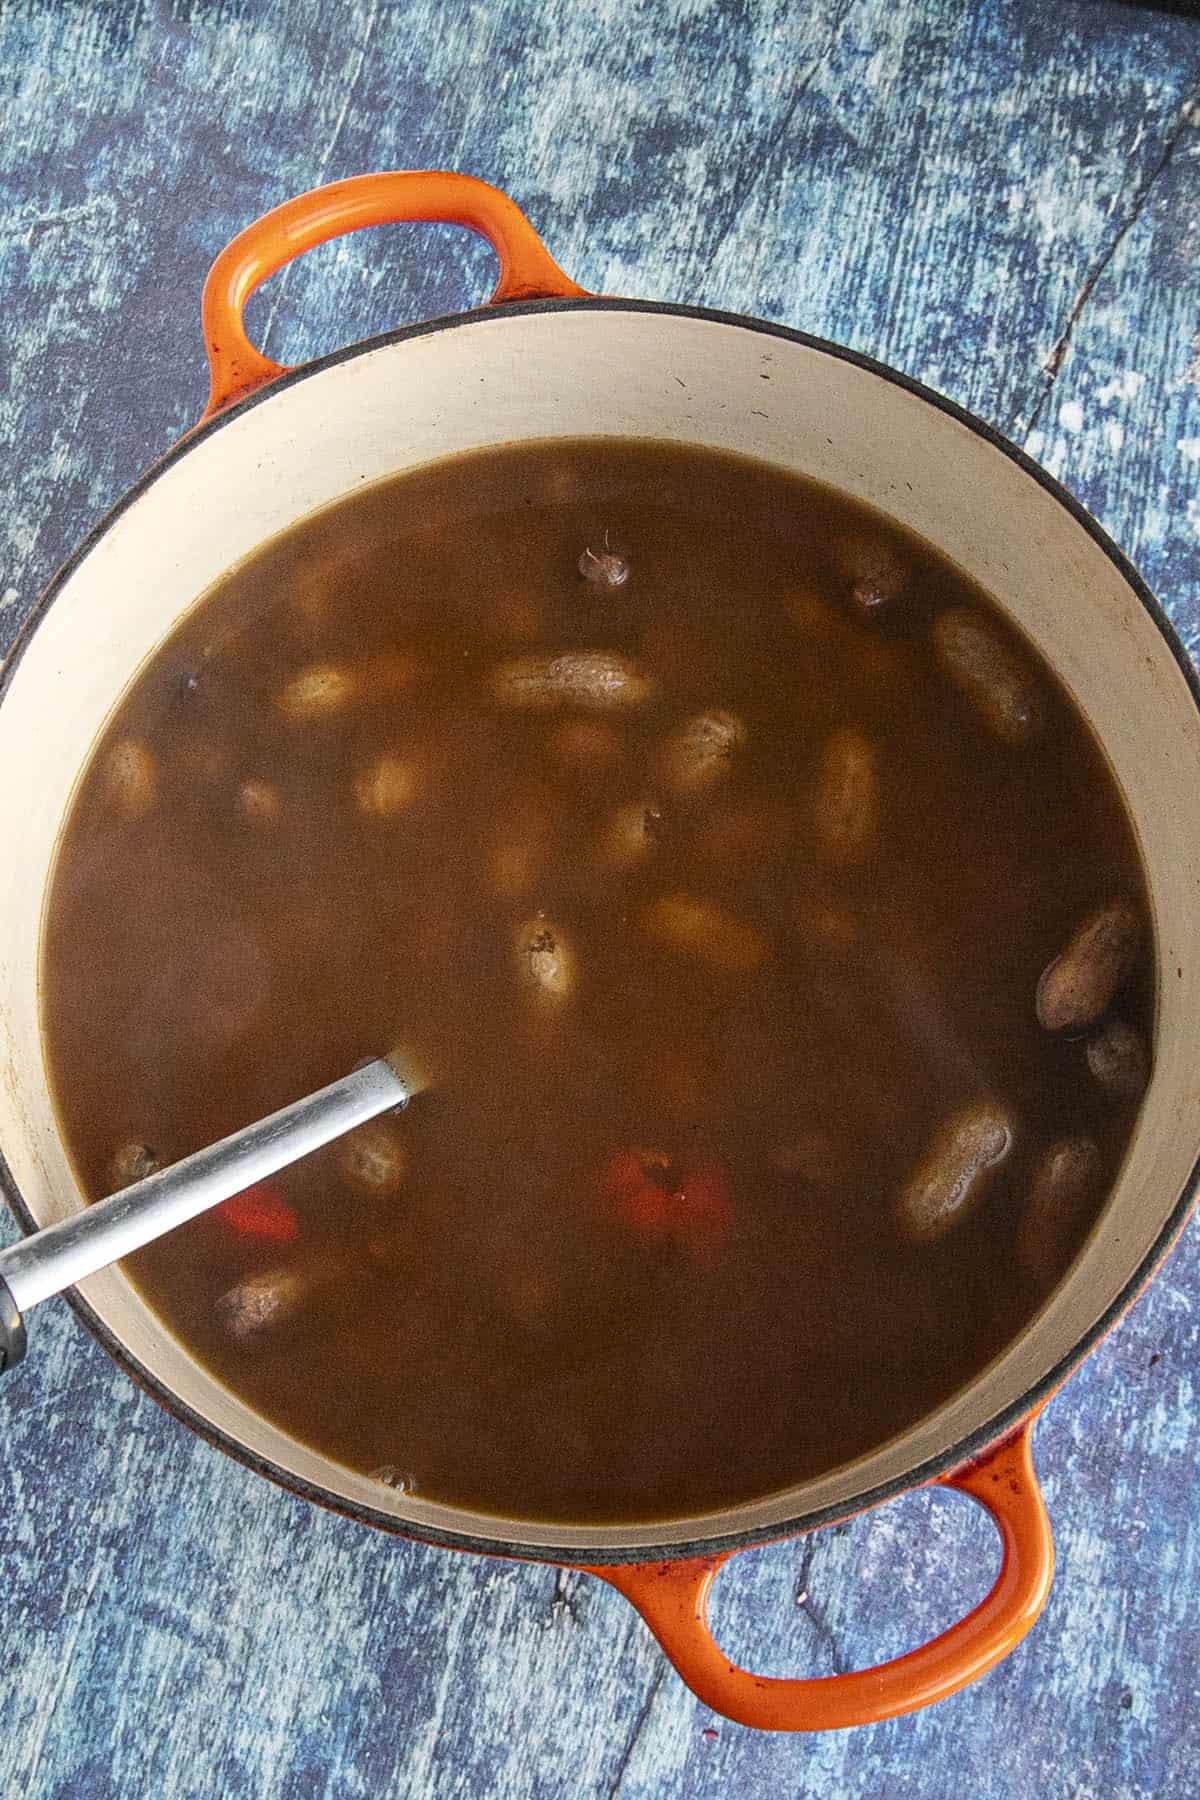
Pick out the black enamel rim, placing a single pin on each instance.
(965, 1449)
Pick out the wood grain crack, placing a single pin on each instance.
(639, 1725)
(1025, 418)
(767, 154)
(815, 1613)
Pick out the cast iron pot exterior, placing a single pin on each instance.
(544, 360)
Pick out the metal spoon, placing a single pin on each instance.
(50, 1260)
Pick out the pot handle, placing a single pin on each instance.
(672, 1598)
(236, 368)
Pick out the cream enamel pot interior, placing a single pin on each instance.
(563, 367)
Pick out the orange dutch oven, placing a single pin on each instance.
(543, 359)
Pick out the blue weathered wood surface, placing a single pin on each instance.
(1002, 198)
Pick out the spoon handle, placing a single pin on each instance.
(60, 1255)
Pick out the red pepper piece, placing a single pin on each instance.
(695, 1213)
(701, 1209)
(635, 1197)
(262, 1212)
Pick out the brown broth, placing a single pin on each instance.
(783, 961)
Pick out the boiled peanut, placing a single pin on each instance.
(387, 788)
(545, 960)
(389, 1476)
(1078, 985)
(1118, 1058)
(374, 1157)
(260, 1301)
(703, 930)
(847, 798)
(630, 835)
(597, 680)
(517, 854)
(561, 485)
(874, 570)
(325, 688)
(314, 584)
(952, 1176)
(1064, 1184)
(414, 1064)
(603, 568)
(259, 801)
(827, 630)
(819, 621)
(132, 1162)
(131, 776)
(1002, 690)
(699, 752)
(331, 573)
(320, 689)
